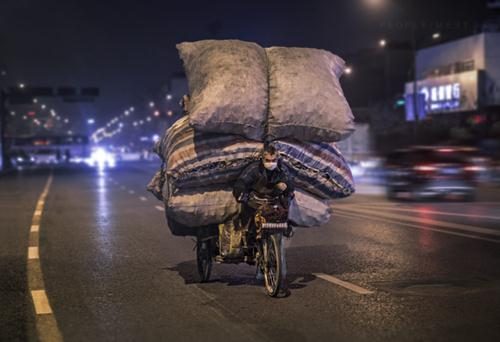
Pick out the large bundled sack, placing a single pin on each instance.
(265, 94)
(306, 100)
(306, 210)
(317, 168)
(198, 208)
(201, 207)
(228, 86)
(195, 159)
(189, 211)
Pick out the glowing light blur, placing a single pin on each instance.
(101, 159)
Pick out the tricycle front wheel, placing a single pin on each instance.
(274, 264)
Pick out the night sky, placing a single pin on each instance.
(127, 48)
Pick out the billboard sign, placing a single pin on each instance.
(449, 93)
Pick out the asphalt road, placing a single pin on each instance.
(103, 266)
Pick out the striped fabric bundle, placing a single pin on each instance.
(196, 160)
(317, 168)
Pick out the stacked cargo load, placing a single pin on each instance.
(243, 96)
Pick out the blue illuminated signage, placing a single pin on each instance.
(441, 97)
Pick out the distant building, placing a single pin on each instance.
(359, 145)
(458, 78)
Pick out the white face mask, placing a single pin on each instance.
(270, 165)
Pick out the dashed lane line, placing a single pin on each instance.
(159, 208)
(45, 321)
(422, 211)
(142, 198)
(41, 302)
(344, 284)
(422, 220)
(33, 253)
(366, 218)
(131, 192)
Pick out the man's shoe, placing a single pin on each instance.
(289, 232)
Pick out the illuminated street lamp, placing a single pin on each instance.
(21, 85)
(436, 36)
(43, 106)
(348, 70)
(35, 100)
(382, 43)
(151, 104)
(127, 113)
(169, 97)
(374, 3)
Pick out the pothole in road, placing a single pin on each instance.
(438, 287)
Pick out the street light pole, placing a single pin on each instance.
(4, 162)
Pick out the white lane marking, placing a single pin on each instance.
(34, 228)
(33, 253)
(142, 198)
(424, 220)
(41, 302)
(345, 284)
(160, 208)
(131, 192)
(123, 187)
(365, 218)
(425, 211)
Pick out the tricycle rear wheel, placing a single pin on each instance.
(204, 258)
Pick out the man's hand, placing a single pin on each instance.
(243, 198)
(281, 186)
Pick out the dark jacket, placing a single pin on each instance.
(256, 178)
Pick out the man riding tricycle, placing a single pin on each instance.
(255, 236)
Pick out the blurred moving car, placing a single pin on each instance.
(45, 156)
(21, 160)
(422, 172)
